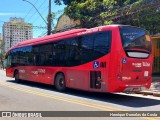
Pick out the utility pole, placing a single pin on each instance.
(49, 19)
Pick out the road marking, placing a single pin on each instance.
(62, 98)
(92, 105)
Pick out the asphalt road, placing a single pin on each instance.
(30, 96)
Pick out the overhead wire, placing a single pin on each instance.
(30, 10)
(42, 33)
(30, 17)
(56, 13)
(38, 16)
(41, 24)
(39, 9)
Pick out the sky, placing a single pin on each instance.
(22, 9)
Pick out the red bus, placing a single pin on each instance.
(113, 58)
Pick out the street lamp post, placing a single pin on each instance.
(49, 16)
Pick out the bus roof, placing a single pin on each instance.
(60, 35)
(35, 41)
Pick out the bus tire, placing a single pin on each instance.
(16, 76)
(60, 83)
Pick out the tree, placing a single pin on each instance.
(91, 13)
(67, 2)
(143, 13)
(58, 2)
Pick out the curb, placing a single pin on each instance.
(156, 94)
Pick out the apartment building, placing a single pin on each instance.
(16, 30)
(1, 42)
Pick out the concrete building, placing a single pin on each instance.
(1, 42)
(16, 30)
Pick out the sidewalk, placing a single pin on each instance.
(155, 87)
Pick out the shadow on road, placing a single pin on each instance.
(124, 100)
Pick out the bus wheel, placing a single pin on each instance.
(16, 75)
(60, 83)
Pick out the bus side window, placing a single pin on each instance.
(74, 57)
(8, 65)
(36, 58)
(102, 43)
(45, 54)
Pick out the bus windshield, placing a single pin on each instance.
(136, 42)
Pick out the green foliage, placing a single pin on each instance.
(89, 12)
(93, 13)
(143, 15)
(108, 22)
(52, 16)
(58, 2)
(66, 2)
